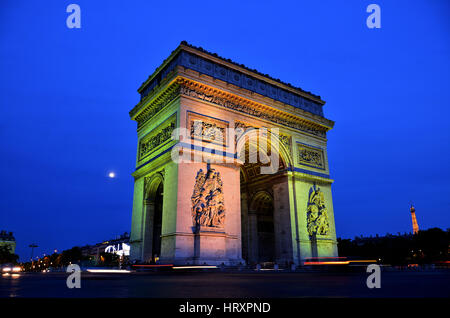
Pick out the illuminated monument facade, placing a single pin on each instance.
(231, 166)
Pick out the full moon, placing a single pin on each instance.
(112, 175)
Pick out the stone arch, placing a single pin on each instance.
(258, 197)
(151, 185)
(255, 139)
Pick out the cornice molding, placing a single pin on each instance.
(145, 110)
(256, 97)
(218, 97)
(187, 87)
(311, 178)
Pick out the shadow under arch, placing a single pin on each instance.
(151, 185)
(259, 198)
(265, 224)
(262, 235)
(153, 203)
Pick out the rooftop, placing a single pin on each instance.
(6, 236)
(205, 62)
(199, 48)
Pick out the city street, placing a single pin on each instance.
(229, 284)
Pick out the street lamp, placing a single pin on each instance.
(33, 245)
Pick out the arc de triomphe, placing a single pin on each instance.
(231, 166)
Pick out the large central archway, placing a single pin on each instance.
(264, 236)
(264, 208)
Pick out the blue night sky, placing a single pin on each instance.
(65, 96)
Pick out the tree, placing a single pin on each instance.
(74, 255)
(109, 259)
(6, 256)
(428, 246)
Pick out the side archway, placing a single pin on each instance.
(152, 218)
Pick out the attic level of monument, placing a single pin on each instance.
(211, 64)
(185, 73)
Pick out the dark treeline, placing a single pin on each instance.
(6, 256)
(426, 247)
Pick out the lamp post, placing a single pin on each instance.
(32, 250)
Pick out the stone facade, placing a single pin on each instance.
(223, 208)
(7, 239)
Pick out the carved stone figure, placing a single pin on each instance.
(208, 207)
(156, 138)
(286, 141)
(311, 157)
(317, 216)
(207, 131)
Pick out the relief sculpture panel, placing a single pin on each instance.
(207, 129)
(311, 156)
(317, 216)
(157, 137)
(208, 208)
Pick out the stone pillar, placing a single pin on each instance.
(244, 225)
(170, 214)
(282, 223)
(147, 235)
(314, 252)
(137, 221)
(232, 192)
(182, 243)
(252, 237)
(320, 245)
(210, 246)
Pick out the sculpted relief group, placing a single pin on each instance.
(208, 208)
(317, 213)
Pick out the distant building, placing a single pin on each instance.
(119, 246)
(7, 239)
